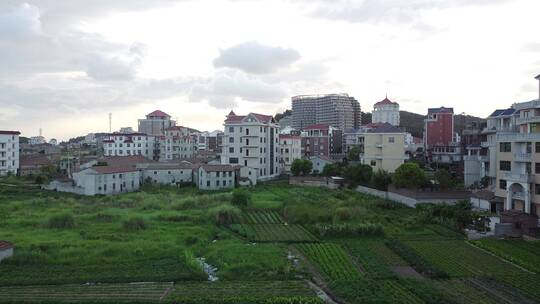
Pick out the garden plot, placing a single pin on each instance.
(244, 292)
(374, 257)
(374, 291)
(523, 253)
(274, 233)
(103, 293)
(263, 217)
(331, 261)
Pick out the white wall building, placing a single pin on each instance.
(215, 177)
(107, 180)
(155, 123)
(177, 143)
(9, 152)
(6, 250)
(252, 141)
(291, 149)
(122, 144)
(166, 173)
(37, 140)
(386, 111)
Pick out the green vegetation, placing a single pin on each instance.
(409, 175)
(265, 245)
(301, 167)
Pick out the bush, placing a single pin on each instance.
(331, 170)
(224, 215)
(191, 240)
(444, 179)
(358, 174)
(381, 179)
(61, 221)
(240, 198)
(301, 167)
(134, 224)
(409, 175)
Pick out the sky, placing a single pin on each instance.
(65, 65)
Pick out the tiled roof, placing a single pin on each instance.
(158, 113)
(284, 136)
(440, 110)
(483, 194)
(34, 160)
(121, 161)
(317, 127)
(9, 132)
(4, 245)
(165, 166)
(175, 128)
(385, 128)
(113, 169)
(262, 117)
(217, 168)
(238, 118)
(386, 101)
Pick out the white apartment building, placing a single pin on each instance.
(252, 141)
(155, 123)
(9, 152)
(107, 180)
(291, 149)
(122, 144)
(177, 143)
(166, 173)
(37, 140)
(386, 111)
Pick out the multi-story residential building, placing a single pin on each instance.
(475, 154)
(382, 146)
(121, 144)
(291, 149)
(177, 143)
(252, 141)
(385, 111)
(37, 140)
(440, 142)
(9, 152)
(215, 177)
(321, 140)
(338, 110)
(156, 123)
(210, 141)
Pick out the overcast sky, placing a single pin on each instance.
(64, 65)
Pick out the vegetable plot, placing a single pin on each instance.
(331, 260)
(274, 233)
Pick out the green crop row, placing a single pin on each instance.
(331, 260)
(263, 217)
(523, 253)
(274, 233)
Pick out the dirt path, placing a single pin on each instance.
(167, 292)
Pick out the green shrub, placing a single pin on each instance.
(224, 215)
(191, 240)
(240, 198)
(61, 221)
(134, 224)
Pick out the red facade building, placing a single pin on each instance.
(439, 127)
(321, 140)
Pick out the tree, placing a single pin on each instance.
(331, 170)
(381, 179)
(358, 173)
(240, 198)
(353, 154)
(444, 179)
(301, 167)
(409, 175)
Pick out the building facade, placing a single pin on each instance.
(155, 123)
(252, 141)
(122, 144)
(321, 140)
(177, 143)
(440, 142)
(386, 111)
(9, 152)
(291, 149)
(216, 177)
(338, 110)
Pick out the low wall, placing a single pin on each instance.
(410, 199)
(63, 187)
(312, 181)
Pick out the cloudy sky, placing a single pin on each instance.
(64, 65)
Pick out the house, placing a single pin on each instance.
(216, 177)
(319, 162)
(291, 149)
(166, 173)
(33, 164)
(155, 123)
(252, 140)
(177, 143)
(127, 144)
(321, 139)
(6, 250)
(385, 111)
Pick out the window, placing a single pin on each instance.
(247, 141)
(502, 184)
(505, 147)
(233, 160)
(217, 174)
(505, 165)
(217, 183)
(247, 131)
(373, 163)
(537, 168)
(231, 150)
(391, 140)
(537, 189)
(207, 183)
(231, 129)
(537, 147)
(231, 139)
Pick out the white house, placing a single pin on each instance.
(386, 111)
(9, 152)
(216, 177)
(6, 250)
(124, 144)
(319, 162)
(291, 149)
(108, 180)
(166, 173)
(177, 143)
(252, 141)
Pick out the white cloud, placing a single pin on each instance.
(256, 58)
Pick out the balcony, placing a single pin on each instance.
(522, 157)
(480, 158)
(520, 195)
(378, 145)
(519, 137)
(525, 120)
(485, 144)
(518, 177)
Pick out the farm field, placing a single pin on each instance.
(99, 249)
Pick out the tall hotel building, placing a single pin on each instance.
(338, 110)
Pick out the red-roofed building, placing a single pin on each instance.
(385, 111)
(252, 140)
(156, 123)
(6, 250)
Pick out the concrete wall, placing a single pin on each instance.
(480, 204)
(407, 200)
(4, 254)
(168, 176)
(209, 180)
